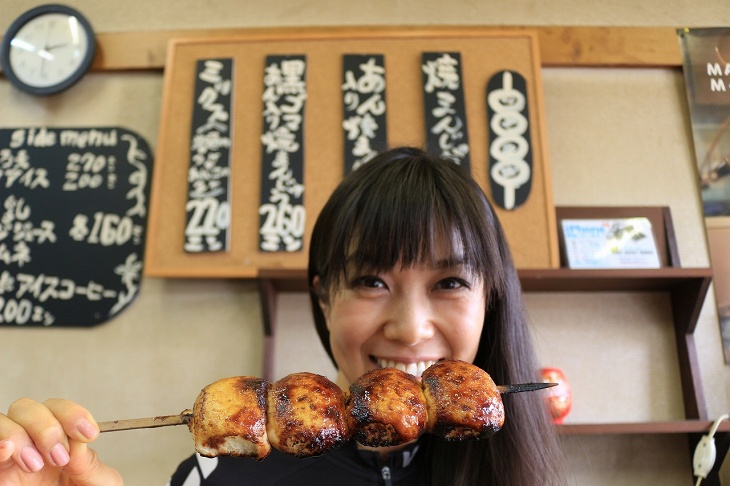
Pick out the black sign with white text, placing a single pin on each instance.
(208, 205)
(363, 99)
(282, 214)
(443, 94)
(73, 214)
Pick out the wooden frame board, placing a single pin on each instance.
(531, 228)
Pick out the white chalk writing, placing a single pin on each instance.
(208, 207)
(443, 79)
(18, 231)
(16, 169)
(282, 210)
(364, 100)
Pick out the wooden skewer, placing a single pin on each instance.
(523, 387)
(186, 415)
(146, 423)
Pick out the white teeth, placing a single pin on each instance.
(415, 369)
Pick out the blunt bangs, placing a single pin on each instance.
(421, 211)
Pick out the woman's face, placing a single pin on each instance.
(407, 318)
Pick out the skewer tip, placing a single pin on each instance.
(524, 387)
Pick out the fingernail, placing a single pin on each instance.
(6, 445)
(59, 455)
(31, 458)
(87, 429)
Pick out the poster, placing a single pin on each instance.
(706, 59)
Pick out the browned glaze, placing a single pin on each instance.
(306, 415)
(386, 407)
(463, 401)
(229, 418)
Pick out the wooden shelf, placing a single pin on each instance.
(672, 427)
(568, 280)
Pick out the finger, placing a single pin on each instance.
(77, 422)
(84, 468)
(17, 448)
(48, 427)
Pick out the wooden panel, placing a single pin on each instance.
(559, 45)
(676, 427)
(530, 229)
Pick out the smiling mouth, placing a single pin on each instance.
(416, 368)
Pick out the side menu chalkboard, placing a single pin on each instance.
(73, 213)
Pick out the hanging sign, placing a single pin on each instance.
(281, 212)
(363, 99)
(510, 154)
(443, 93)
(73, 212)
(208, 207)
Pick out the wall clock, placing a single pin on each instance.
(47, 49)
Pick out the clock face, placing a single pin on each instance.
(48, 49)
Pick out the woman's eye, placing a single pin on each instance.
(368, 281)
(452, 283)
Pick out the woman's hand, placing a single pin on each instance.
(47, 443)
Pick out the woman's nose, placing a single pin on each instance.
(410, 321)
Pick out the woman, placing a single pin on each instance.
(408, 265)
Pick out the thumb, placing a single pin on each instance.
(85, 469)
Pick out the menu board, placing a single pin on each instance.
(73, 213)
(324, 112)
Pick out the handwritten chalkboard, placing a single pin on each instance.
(73, 213)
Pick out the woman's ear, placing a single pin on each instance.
(321, 299)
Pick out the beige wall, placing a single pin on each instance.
(616, 137)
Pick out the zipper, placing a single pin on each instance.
(385, 474)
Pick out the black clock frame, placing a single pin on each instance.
(23, 19)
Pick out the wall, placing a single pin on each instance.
(616, 137)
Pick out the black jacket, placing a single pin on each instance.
(344, 466)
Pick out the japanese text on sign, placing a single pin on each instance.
(443, 90)
(208, 205)
(363, 96)
(72, 219)
(282, 214)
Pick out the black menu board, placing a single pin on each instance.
(73, 214)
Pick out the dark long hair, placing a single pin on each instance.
(393, 211)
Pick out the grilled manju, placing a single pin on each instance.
(305, 414)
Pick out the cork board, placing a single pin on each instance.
(531, 228)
